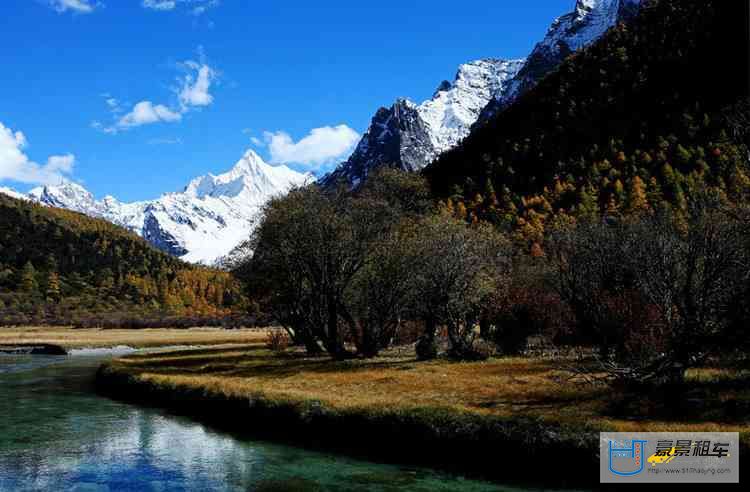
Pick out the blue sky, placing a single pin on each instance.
(134, 98)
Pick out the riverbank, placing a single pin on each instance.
(50, 415)
(32, 349)
(505, 419)
(78, 338)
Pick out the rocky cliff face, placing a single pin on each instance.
(409, 136)
(397, 137)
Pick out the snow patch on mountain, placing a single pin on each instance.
(455, 107)
(13, 193)
(200, 224)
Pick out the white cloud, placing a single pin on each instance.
(165, 141)
(159, 4)
(196, 7)
(321, 146)
(194, 91)
(204, 7)
(256, 141)
(77, 6)
(145, 113)
(15, 165)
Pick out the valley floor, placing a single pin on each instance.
(441, 413)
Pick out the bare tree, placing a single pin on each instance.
(331, 264)
(384, 290)
(461, 267)
(590, 269)
(658, 293)
(693, 271)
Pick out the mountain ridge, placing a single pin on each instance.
(59, 266)
(214, 213)
(567, 34)
(199, 224)
(410, 136)
(639, 122)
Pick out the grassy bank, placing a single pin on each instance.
(70, 338)
(500, 419)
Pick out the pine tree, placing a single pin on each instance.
(28, 282)
(461, 212)
(637, 202)
(588, 208)
(53, 286)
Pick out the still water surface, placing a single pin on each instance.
(57, 434)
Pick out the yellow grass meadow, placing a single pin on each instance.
(503, 387)
(70, 338)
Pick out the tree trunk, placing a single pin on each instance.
(370, 345)
(484, 328)
(311, 345)
(430, 327)
(333, 343)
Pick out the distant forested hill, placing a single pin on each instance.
(652, 113)
(61, 266)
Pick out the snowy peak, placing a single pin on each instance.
(455, 106)
(586, 24)
(567, 34)
(249, 168)
(250, 177)
(410, 136)
(201, 224)
(66, 195)
(571, 32)
(65, 191)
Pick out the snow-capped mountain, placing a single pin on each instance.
(13, 193)
(201, 224)
(410, 136)
(567, 34)
(204, 222)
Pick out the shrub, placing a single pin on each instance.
(477, 350)
(278, 341)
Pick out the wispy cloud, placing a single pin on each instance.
(204, 7)
(194, 88)
(165, 141)
(159, 4)
(15, 165)
(321, 146)
(75, 6)
(191, 92)
(146, 112)
(193, 7)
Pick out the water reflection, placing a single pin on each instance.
(56, 434)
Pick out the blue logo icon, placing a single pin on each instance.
(626, 457)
